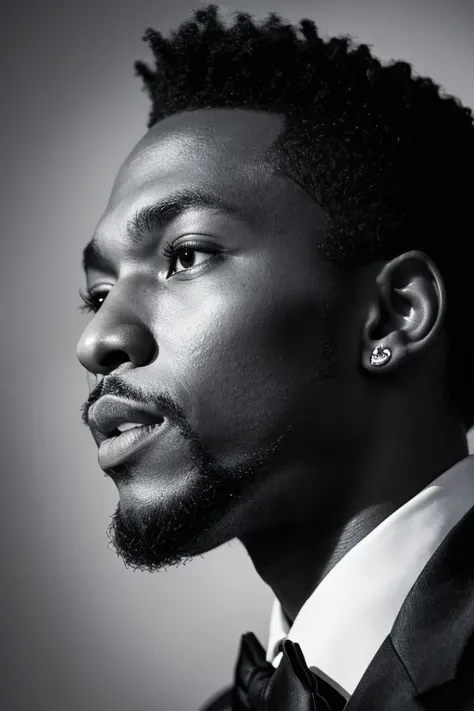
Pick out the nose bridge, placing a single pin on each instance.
(119, 332)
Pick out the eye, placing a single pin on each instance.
(91, 302)
(186, 257)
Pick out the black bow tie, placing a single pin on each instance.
(258, 686)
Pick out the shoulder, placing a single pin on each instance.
(221, 701)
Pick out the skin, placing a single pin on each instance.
(267, 344)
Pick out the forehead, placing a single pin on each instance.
(223, 147)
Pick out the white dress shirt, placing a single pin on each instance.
(343, 623)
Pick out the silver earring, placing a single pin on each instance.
(380, 355)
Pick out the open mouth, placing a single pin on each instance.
(121, 444)
(121, 426)
(129, 427)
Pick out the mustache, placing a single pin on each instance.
(114, 385)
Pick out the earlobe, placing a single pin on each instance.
(406, 312)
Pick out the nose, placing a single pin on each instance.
(101, 349)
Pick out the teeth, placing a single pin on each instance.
(128, 426)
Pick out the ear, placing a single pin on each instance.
(406, 312)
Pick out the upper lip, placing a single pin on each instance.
(110, 411)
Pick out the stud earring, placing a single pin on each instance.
(380, 356)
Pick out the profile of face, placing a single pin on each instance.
(220, 316)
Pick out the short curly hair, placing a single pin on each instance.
(386, 154)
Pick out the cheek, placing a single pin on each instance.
(246, 366)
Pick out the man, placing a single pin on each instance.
(280, 353)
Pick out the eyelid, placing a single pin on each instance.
(193, 242)
(169, 252)
(98, 291)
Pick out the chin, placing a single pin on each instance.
(168, 516)
(155, 527)
(153, 537)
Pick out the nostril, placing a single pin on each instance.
(114, 359)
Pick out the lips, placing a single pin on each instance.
(110, 411)
(116, 450)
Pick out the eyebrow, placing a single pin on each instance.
(152, 219)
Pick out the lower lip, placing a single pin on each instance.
(115, 450)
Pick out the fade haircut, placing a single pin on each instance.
(387, 154)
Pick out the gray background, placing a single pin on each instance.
(79, 630)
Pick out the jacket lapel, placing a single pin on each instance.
(437, 619)
(430, 633)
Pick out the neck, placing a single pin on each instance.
(294, 555)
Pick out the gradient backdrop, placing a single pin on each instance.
(80, 632)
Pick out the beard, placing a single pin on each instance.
(196, 517)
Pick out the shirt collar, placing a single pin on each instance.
(343, 623)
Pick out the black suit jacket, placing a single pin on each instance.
(426, 663)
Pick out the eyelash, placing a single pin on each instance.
(90, 301)
(169, 253)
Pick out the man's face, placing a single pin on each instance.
(229, 340)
